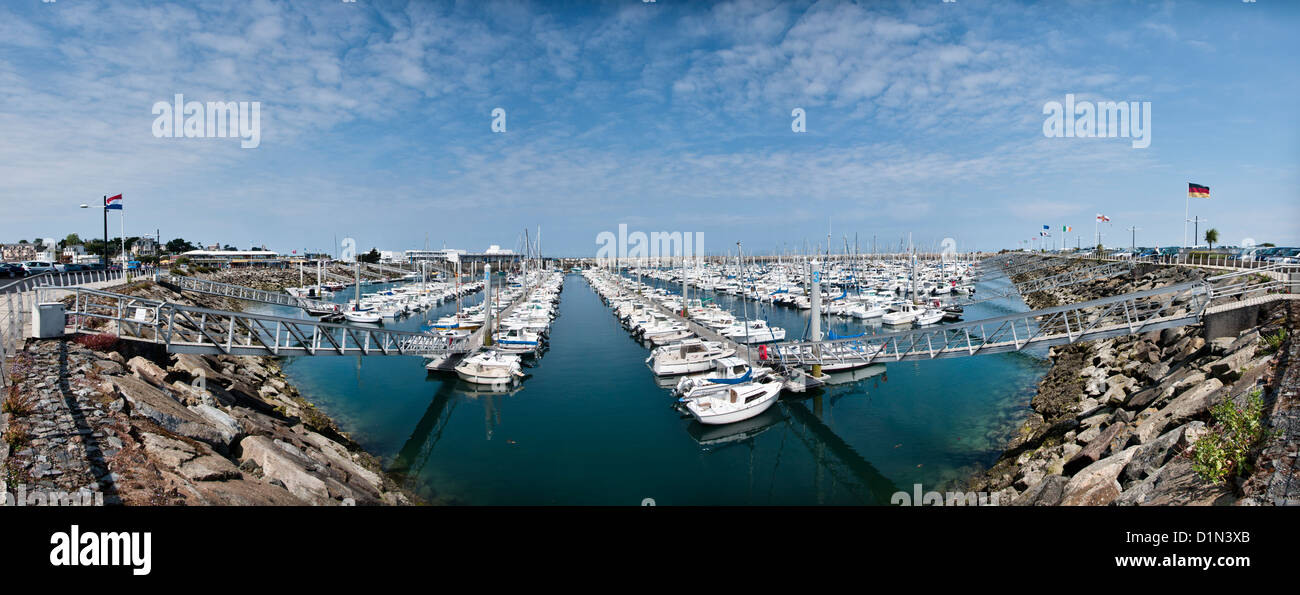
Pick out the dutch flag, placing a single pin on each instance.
(113, 202)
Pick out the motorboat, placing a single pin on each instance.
(490, 367)
(691, 355)
(930, 316)
(726, 371)
(362, 316)
(753, 332)
(738, 402)
(905, 313)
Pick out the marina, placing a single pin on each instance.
(846, 442)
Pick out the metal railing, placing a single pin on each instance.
(244, 293)
(1137, 312)
(188, 329)
(67, 279)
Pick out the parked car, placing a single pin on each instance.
(73, 267)
(11, 270)
(1285, 256)
(36, 267)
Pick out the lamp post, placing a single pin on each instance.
(103, 257)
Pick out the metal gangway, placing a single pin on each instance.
(240, 292)
(1138, 312)
(190, 329)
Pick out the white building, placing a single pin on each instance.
(144, 247)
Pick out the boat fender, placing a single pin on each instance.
(762, 352)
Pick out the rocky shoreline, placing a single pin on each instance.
(129, 423)
(1113, 420)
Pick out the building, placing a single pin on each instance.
(144, 247)
(18, 252)
(235, 258)
(438, 255)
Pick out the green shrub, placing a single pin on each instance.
(1271, 343)
(1224, 451)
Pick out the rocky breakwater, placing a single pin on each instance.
(270, 279)
(141, 426)
(1113, 420)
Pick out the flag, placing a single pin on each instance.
(1066, 228)
(1197, 191)
(1102, 218)
(113, 202)
(1046, 234)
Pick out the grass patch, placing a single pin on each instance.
(17, 436)
(17, 403)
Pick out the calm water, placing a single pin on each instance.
(591, 426)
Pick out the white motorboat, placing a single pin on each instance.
(754, 331)
(691, 355)
(737, 403)
(930, 316)
(362, 316)
(727, 371)
(868, 310)
(905, 314)
(490, 367)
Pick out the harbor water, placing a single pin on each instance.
(591, 426)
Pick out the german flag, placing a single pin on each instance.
(1197, 191)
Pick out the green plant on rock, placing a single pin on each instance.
(1224, 451)
(1271, 343)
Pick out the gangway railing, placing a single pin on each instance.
(1137, 312)
(244, 293)
(189, 329)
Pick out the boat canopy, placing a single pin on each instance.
(743, 379)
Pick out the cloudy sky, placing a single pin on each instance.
(376, 120)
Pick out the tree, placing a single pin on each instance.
(72, 240)
(371, 257)
(1211, 236)
(179, 245)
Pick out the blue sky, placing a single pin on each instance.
(922, 117)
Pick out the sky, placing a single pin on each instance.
(376, 121)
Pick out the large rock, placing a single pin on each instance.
(196, 366)
(1232, 364)
(1175, 484)
(225, 424)
(1096, 484)
(1047, 492)
(288, 469)
(1094, 450)
(1190, 404)
(196, 463)
(148, 370)
(150, 402)
(1151, 456)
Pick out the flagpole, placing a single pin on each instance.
(1187, 210)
